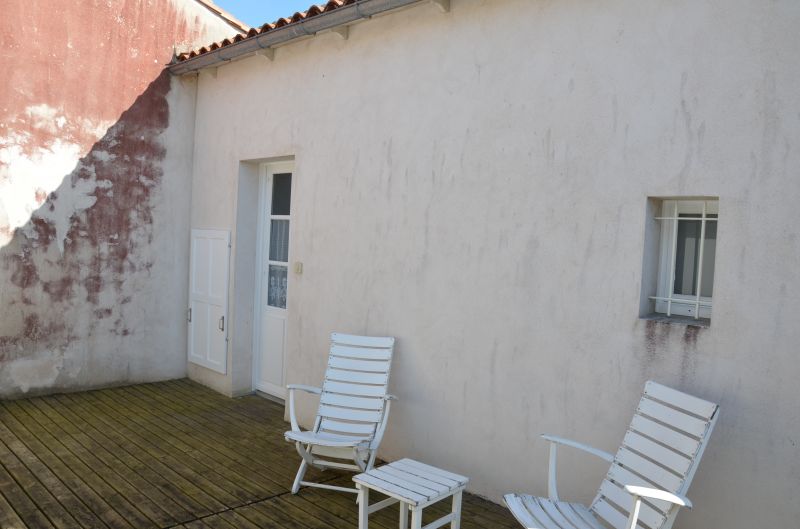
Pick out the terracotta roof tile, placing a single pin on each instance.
(312, 11)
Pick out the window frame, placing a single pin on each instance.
(666, 301)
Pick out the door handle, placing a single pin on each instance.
(222, 324)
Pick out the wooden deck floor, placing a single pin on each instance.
(172, 454)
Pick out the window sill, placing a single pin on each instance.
(703, 323)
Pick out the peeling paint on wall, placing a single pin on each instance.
(82, 157)
(34, 164)
(83, 245)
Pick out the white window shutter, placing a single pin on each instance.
(208, 299)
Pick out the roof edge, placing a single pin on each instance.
(231, 20)
(306, 24)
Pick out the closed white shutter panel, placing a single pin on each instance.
(208, 299)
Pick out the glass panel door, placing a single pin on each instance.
(280, 210)
(274, 278)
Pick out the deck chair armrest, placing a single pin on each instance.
(552, 487)
(381, 428)
(301, 387)
(637, 493)
(580, 446)
(657, 494)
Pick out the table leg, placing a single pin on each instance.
(363, 507)
(456, 523)
(416, 518)
(403, 515)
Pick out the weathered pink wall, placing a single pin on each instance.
(84, 142)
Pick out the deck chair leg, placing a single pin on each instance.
(403, 515)
(301, 472)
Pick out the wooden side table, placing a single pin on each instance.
(416, 486)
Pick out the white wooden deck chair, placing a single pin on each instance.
(353, 409)
(648, 479)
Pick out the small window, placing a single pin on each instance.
(687, 256)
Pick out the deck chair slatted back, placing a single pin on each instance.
(661, 449)
(356, 383)
(353, 411)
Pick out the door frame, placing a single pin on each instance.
(265, 171)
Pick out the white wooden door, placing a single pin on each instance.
(208, 299)
(275, 218)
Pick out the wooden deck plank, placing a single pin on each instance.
(24, 507)
(221, 438)
(159, 453)
(168, 441)
(65, 496)
(8, 516)
(345, 507)
(216, 522)
(262, 417)
(252, 445)
(249, 485)
(119, 503)
(237, 520)
(256, 517)
(172, 455)
(152, 511)
(269, 428)
(192, 499)
(311, 515)
(282, 519)
(89, 496)
(44, 500)
(164, 511)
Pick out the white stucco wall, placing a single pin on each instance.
(475, 183)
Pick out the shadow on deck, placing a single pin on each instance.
(170, 454)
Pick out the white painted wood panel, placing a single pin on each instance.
(355, 389)
(364, 353)
(681, 400)
(378, 342)
(371, 366)
(652, 450)
(672, 438)
(353, 428)
(334, 399)
(621, 498)
(347, 414)
(208, 299)
(358, 377)
(273, 335)
(673, 417)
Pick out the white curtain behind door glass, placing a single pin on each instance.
(279, 241)
(276, 289)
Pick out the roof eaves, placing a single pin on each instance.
(290, 28)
